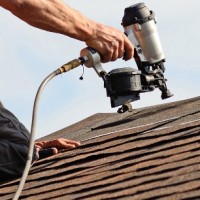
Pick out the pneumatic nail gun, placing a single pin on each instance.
(124, 85)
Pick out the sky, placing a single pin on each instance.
(28, 55)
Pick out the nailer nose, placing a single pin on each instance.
(166, 94)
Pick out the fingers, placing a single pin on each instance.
(62, 143)
(59, 144)
(67, 141)
(128, 49)
(111, 44)
(111, 53)
(118, 50)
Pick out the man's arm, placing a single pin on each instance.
(56, 16)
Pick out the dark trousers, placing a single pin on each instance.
(14, 142)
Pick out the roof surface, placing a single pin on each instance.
(151, 153)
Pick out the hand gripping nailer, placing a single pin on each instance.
(124, 85)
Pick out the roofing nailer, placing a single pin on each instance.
(124, 85)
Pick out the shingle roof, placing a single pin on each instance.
(151, 153)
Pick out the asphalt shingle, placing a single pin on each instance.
(151, 153)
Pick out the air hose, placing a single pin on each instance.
(65, 68)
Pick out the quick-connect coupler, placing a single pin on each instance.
(72, 64)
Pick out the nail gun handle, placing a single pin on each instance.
(93, 59)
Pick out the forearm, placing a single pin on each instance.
(56, 16)
(52, 15)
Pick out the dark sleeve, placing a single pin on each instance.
(14, 142)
